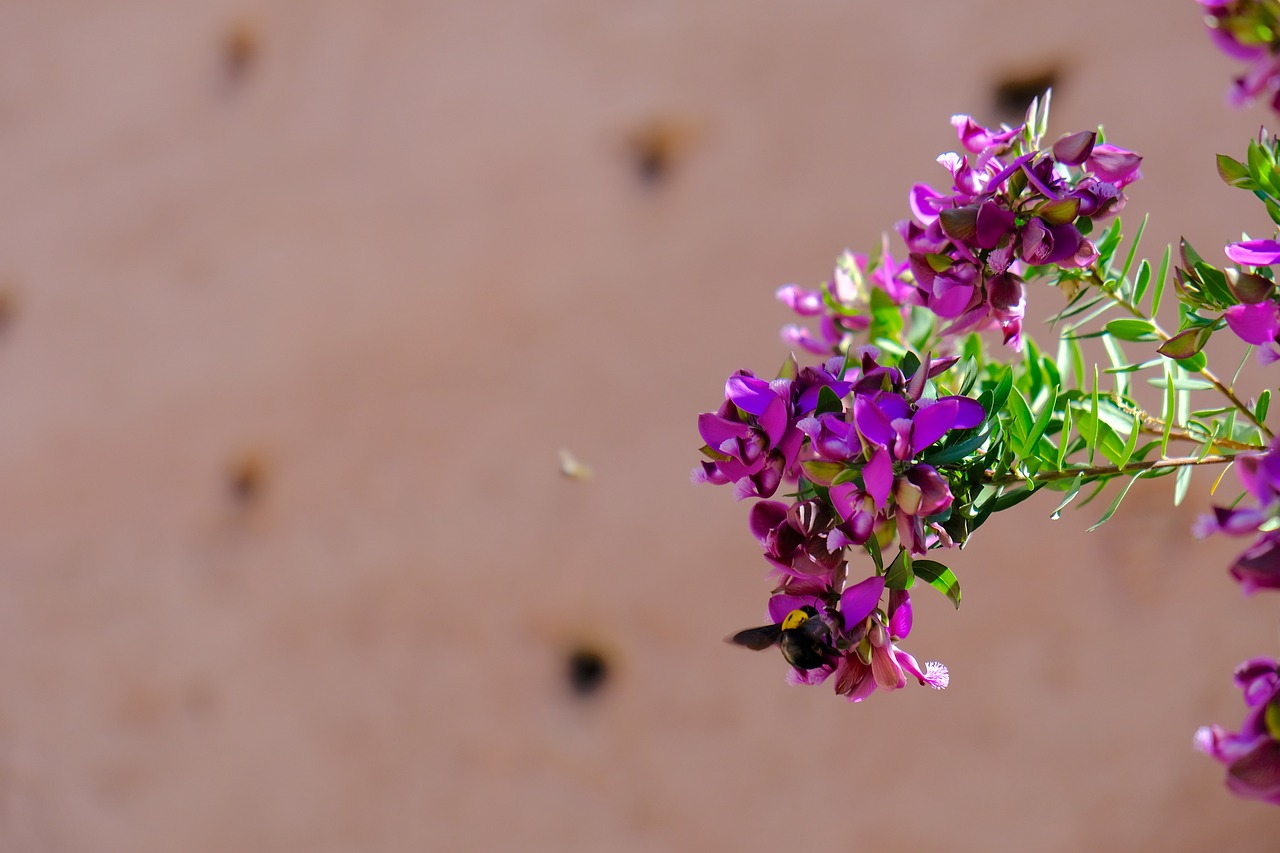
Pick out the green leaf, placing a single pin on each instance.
(1264, 402)
(1131, 444)
(1161, 276)
(1234, 173)
(707, 451)
(1142, 282)
(1168, 413)
(952, 453)
(899, 574)
(1115, 504)
(1010, 499)
(1019, 415)
(1133, 250)
(1186, 343)
(828, 402)
(940, 578)
(1072, 491)
(1132, 329)
(1107, 245)
(886, 316)
(1273, 210)
(999, 395)
(789, 369)
(873, 548)
(1180, 485)
(1064, 441)
(1041, 423)
(822, 472)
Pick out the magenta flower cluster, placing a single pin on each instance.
(1008, 208)
(1248, 30)
(852, 435)
(1251, 755)
(1259, 566)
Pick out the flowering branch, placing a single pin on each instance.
(908, 435)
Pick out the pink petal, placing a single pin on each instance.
(857, 602)
(1254, 253)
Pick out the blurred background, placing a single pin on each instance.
(299, 302)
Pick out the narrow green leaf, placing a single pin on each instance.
(1093, 442)
(1180, 485)
(1131, 444)
(873, 548)
(1264, 403)
(940, 578)
(1020, 416)
(1158, 293)
(1107, 245)
(1133, 251)
(1041, 423)
(1142, 282)
(1065, 440)
(1132, 329)
(1118, 359)
(1072, 491)
(1077, 362)
(1115, 504)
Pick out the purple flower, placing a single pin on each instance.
(1256, 324)
(849, 289)
(967, 249)
(875, 660)
(1259, 566)
(753, 440)
(795, 539)
(1252, 755)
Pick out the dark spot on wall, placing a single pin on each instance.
(8, 305)
(241, 44)
(247, 478)
(1014, 93)
(658, 146)
(587, 670)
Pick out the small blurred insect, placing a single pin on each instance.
(572, 468)
(805, 639)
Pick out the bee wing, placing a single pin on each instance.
(757, 638)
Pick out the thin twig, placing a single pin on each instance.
(1093, 471)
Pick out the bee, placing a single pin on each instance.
(804, 638)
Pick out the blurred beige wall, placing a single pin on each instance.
(302, 300)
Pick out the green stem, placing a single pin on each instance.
(1093, 472)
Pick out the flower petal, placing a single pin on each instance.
(858, 601)
(1254, 253)
(877, 475)
(1254, 324)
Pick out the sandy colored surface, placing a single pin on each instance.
(307, 296)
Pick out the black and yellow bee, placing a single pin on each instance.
(805, 639)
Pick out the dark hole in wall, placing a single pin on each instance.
(1014, 93)
(247, 478)
(8, 305)
(587, 671)
(658, 146)
(241, 44)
